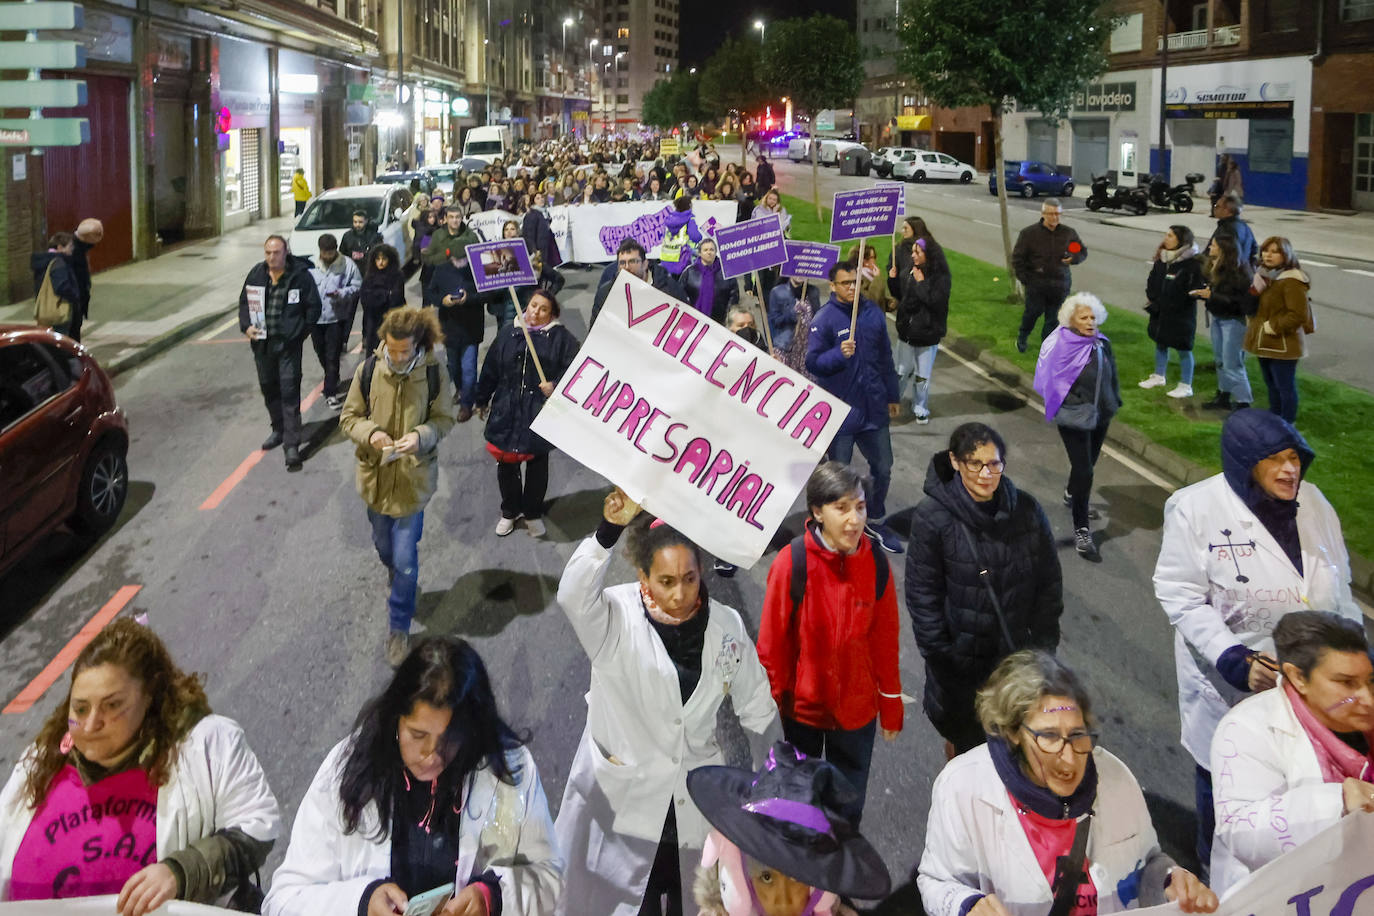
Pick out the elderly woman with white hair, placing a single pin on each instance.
(1076, 375)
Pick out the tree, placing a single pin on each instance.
(673, 101)
(817, 63)
(730, 82)
(1038, 52)
(657, 106)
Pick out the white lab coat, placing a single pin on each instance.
(641, 740)
(216, 783)
(1197, 581)
(1267, 788)
(505, 828)
(975, 843)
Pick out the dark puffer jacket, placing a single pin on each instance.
(951, 613)
(1173, 312)
(510, 384)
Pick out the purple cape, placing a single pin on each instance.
(1062, 358)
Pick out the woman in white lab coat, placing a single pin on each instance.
(664, 657)
(1041, 812)
(1293, 761)
(1239, 551)
(432, 790)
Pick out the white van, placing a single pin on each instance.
(488, 143)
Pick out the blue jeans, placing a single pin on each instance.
(462, 370)
(1227, 336)
(1185, 364)
(1281, 378)
(876, 447)
(914, 365)
(398, 545)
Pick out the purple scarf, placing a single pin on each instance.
(1062, 358)
(706, 296)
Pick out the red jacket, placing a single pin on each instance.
(835, 667)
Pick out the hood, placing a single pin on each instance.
(942, 487)
(296, 263)
(39, 259)
(674, 221)
(1249, 436)
(427, 358)
(1293, 273)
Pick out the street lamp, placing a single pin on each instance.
(567, 21)
(759, 24)
(615, 90)
(486, 61)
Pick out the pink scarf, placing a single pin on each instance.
(1337, 759)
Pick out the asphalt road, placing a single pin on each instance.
(966, 218)
(276, 594)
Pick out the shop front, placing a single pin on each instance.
(245, 106)
(298, 82)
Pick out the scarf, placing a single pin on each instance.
(706, 295)
(1038, 798)
(657, 613)
(1337, 759)
(1181, 253)
(1061, 361)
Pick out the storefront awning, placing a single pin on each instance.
(913, 122)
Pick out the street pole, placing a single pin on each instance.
(1163, 82)
(486, 63)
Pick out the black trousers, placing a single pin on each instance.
(329, 343)
(279, 377)
(850, 751)
(1042, 299)
(1083, 446)
(73, 329)
(663, 893)
(372, 320)
(523, 498)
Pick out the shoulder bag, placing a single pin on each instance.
(51, 310)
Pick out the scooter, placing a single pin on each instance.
(1179, 197)
(1136, 200)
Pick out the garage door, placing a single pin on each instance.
(1090, 153)
(1042, 141)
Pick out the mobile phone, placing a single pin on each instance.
(429, 902)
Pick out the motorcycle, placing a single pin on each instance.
(1179, 197)
(1136, 200)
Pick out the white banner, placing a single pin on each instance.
(700, 427)
(105, 906)
(598, 229)
(1331, 874)
(491, 222)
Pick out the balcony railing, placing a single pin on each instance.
(1222, 36)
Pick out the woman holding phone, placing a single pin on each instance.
(431, 791)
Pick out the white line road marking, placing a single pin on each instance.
(984, 222)
(212, 334)
(1310, 263)
(1363, 273)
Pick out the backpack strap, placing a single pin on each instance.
(798, 581)
(882, 571)
(365, 381)
(432, 379)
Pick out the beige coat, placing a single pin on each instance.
(401, 487)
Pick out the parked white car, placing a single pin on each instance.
(332, 212)
(833, 150)
(799, 148)
(888, 156)
(928, 166)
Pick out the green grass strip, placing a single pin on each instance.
(1336, 418)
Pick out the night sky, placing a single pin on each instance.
(702, 32)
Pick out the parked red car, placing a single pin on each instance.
(63, 440)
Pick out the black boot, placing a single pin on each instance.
(1221, 402)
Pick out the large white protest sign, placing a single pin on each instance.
(598, 229)
(1331, 874)
(703, 429)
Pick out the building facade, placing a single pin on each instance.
(636, 47)
(1281, 86)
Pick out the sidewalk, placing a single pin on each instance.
(141, 308)
(1318, 234)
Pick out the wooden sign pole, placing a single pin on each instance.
(763, 311)
(529, 342)
(854, 318)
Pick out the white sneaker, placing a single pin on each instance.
(1154, 381)
(1181, 391)
(535, 527)
(505, 526)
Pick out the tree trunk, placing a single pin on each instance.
(816, 177)
(743, 142)
(1001, 174)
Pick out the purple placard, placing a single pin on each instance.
(810, 260)
(866, 213)
(500, 264)
(751, 245)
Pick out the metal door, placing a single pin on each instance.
(250, 142)
(1194, 143)
(1042, 141)
(1090, 149)
(1364, 162)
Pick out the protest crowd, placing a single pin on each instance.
(433, 803)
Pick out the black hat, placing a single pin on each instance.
(790, 816)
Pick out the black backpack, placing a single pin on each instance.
(882, 572)
(370, 366)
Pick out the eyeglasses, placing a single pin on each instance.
(844, 282)
(1052, 743)
(978, 467)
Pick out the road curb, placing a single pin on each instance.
(1168, 463)
(164, 342)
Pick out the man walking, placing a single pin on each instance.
(631, 256)
(89, 233)
(358, 241)
(1042, 257)
(278, 305)
(396, 412)
(338, 282)
(859, 371)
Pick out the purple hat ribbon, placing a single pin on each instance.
(792, 812)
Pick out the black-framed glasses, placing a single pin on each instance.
(1052, 743)
(977, 467)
